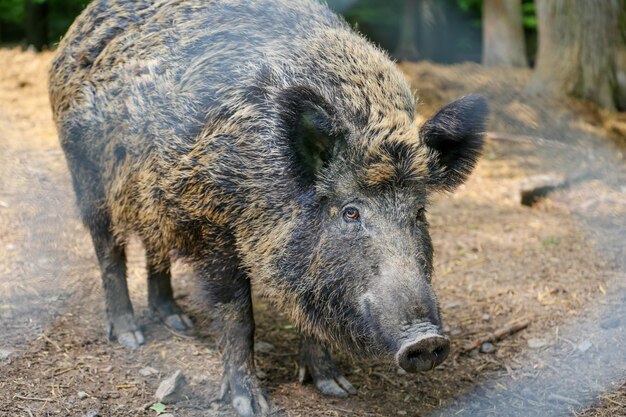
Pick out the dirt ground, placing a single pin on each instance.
(559, 264)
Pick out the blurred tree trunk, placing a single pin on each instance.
(620, 61)
(503, 34)
(37, 23)
(433, 32)
(407, 43)
(578, 41)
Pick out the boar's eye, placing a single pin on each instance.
(421, 214)
(351, 214)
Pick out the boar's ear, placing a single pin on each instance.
(314, 131)
(455, 138)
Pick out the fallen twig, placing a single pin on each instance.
(613, 401)
(563, 399)
(19, 397)
(343, 410)
(30, 413)
(52, 342)
(64, 371)
(385, 377)
(497, 335)
(177, 334)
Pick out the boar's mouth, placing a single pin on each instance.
(422, 347)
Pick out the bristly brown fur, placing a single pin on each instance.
(172, 117)
(168, 182)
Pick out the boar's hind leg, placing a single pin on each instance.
(161, 297)
(112, 258)
(316, 363)
(231, 295)
(91, 199)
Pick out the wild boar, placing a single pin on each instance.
(266, 142)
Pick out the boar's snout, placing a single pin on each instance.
(423, 353)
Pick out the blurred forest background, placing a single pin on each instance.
(452, 26)
(577, 47)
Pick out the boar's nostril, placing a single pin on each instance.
(423, 353)
(439, 352)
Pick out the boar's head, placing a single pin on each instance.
(359, 260)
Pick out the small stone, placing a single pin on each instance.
(93, 413)
(263, 347)
(199, 379)
(486, 317)
(451, 305)
(148, 371)
(584, 346)
(261, 374)
(537, 343)
(401, 372)
(401, 413)
(166, 415)
(82, 395)
(487, 348)
(4, 354)
(455, 332)
(4, 204)
(170, 389)
(10, 247)
(106, 369)
(610, 323)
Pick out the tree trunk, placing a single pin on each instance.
(503, 34)
(620, 61)
(407, 43)
(578, 40)
(432, 30)
(37, 24)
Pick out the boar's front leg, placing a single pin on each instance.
(316, 363)
(233, 307)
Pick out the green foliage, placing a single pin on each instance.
(378, 19)
(470, 5)
(61, 14)
(11, 11)
(550, 241)
(373, 12)
(159, 408)
(454, 36)
(529, 16)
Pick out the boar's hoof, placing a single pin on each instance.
(423, 353)
(124, 328)
(246, 396)
(317, 365)
(178, 322)
(131, 339)
(171, 314)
